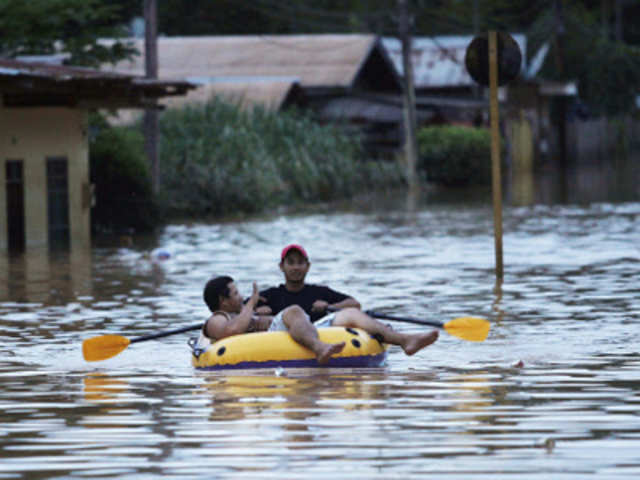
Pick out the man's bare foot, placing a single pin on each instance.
(415, 343)
(326, 351)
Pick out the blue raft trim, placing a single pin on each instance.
(364, 361)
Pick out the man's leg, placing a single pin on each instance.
(303, 332)
(410, 343)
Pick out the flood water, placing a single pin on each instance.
(553, 393)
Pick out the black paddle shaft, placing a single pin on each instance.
(166, 334)
(416, 321)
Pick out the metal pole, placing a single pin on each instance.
(411, 147)
(151, 71)
(619, 21)
(495, 153)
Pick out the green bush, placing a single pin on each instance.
(454, 155)
(119, 171)
(217, 159)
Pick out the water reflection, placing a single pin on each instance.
(38, 276)
(101, 388)
(615, 180)
(296, 394)
(554, 389)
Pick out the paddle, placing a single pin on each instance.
(473, 329)
(107, 346)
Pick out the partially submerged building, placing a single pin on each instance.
(441, 80)
(45, 194)
(443, 84)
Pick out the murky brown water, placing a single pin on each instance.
(568, 311)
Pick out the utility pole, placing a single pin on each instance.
(562, 101)
(477, 89)
(619, 21)
(476, 18)
(411, 146)
(151, 72)
(604, 17)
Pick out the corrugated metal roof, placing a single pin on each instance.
(53, 71)
(36, 83)
(316, 60)
(438, 62)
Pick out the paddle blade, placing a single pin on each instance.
(103, 347)
(468, 328)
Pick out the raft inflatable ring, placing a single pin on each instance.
(278, 349)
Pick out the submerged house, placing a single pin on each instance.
(45, 195)
(441, 80)
(443, 84)
(346, 78)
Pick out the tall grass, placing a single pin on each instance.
(217, 159)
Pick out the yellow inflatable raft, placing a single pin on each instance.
(278, 349)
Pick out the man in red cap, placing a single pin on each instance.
(318, 300)
(313, 299)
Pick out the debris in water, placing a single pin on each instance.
(547, 443)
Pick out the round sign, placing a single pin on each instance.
(509, 59)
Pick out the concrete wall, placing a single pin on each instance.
(32, 135)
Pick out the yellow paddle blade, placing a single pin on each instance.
(103, 347)
(468, 328)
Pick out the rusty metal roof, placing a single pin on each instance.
(53, 71)
(40, 83)
(438, 62)
(315, 60)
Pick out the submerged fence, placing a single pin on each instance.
(601, 138)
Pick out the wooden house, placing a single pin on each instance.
(45, 195)
(347, 78)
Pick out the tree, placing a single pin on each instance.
(607, 71)
(73, 27)
(599, 46)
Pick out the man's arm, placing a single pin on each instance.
(346, 303)
(334, 300)
(322, 305)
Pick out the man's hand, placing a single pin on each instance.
(319, 306)
(264, 310)
(261, 322)
(254, 296)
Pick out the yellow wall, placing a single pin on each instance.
(32, 135)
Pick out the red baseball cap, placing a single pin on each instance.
(293, 246)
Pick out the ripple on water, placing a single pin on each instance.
(552, 393)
